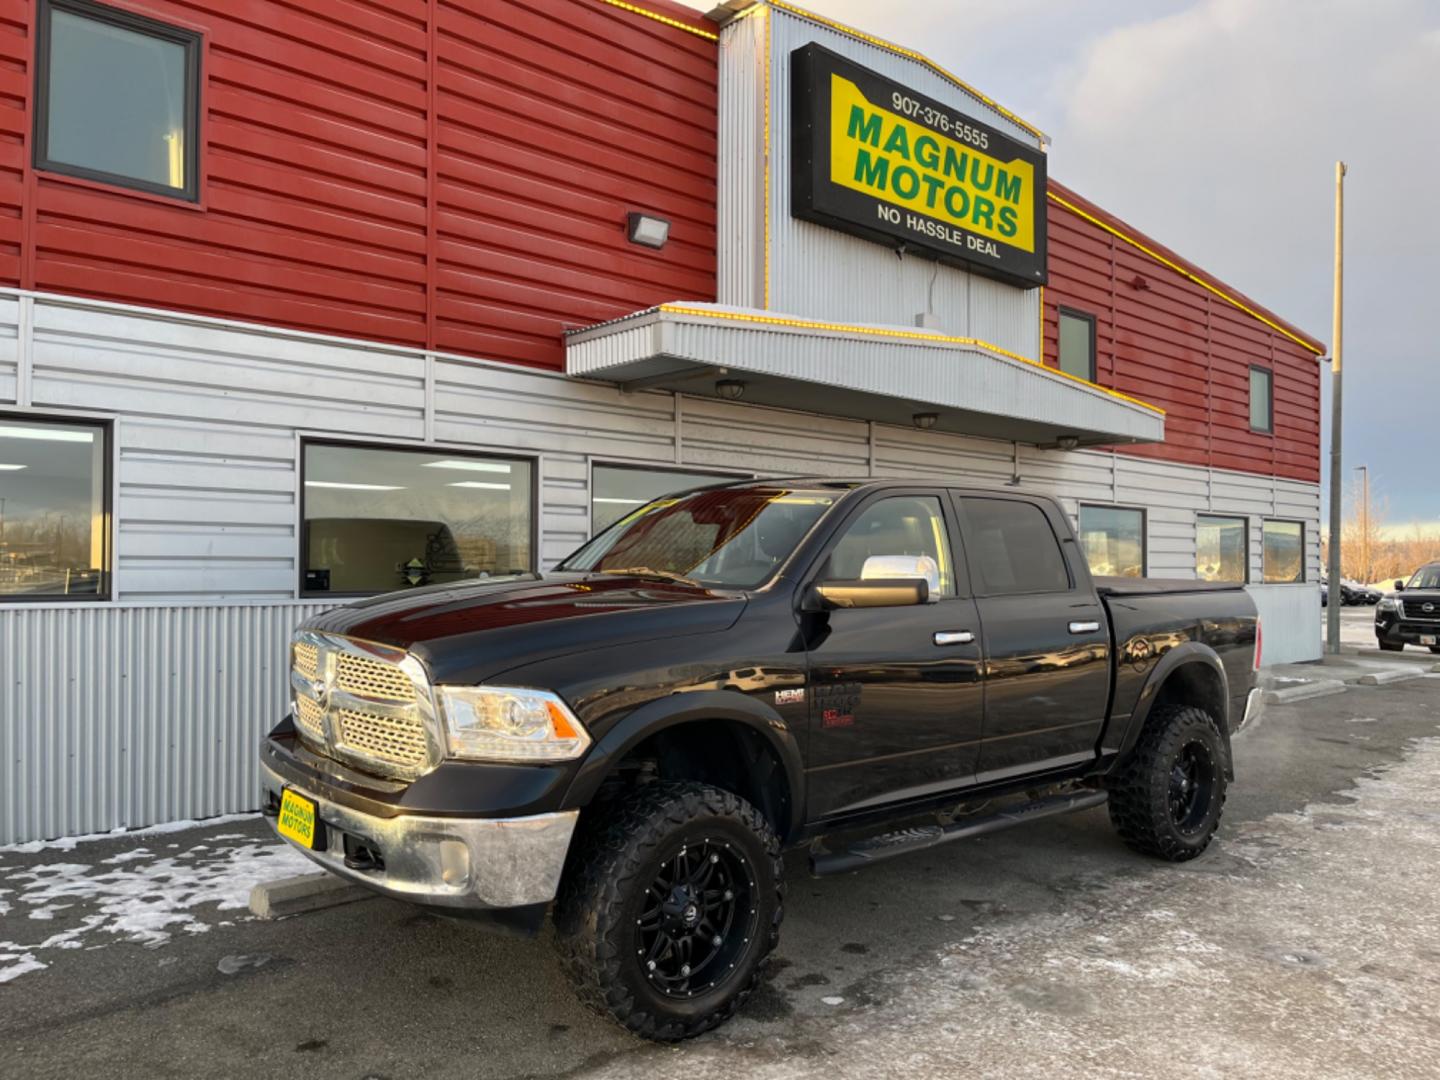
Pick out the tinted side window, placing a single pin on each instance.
(1012, 548)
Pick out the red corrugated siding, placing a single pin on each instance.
(1177, 345)
(443, 173)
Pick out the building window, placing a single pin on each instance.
(382, 519)
(1222, 548)
(1284, 549)
(1077, 344)
(117, 98)
(617, 490)
(1113, 539)
(54, 510)
(1262, 399)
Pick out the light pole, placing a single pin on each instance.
(1364, 471)
(1332, 611)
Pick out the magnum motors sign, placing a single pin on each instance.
(874, 158)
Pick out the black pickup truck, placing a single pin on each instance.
(863, 669)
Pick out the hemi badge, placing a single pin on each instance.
(789, 697)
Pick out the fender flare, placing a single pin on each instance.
(1191, 652)
(699, 705)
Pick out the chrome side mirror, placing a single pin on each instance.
(898, 567)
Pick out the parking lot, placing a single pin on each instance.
(1304, 943)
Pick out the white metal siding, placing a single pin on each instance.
(148, 708)
(126, 716)
(740, 192)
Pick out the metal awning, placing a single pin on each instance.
(882, 373)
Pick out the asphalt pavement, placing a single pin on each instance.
(1305, 943)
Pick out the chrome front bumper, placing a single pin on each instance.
(449, 862)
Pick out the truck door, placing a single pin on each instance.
(895, 693)
(1045, 639)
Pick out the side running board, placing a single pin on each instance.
(888, 845)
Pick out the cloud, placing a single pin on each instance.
(1216, 129)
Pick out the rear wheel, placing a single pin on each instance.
(1167, 797)
(669, 908)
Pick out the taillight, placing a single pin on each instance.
(1259, 643)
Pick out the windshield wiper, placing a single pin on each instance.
(650, 571)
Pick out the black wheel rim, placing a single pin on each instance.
(697, 918)
(1192, 786)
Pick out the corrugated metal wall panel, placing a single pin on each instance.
(554, 119)
(354, 183)
(9, 347)
(125, 716)
(825, 274)
(16, 50)
(728, 435)
(740, 213)
(1164, 339)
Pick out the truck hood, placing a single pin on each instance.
(467, 632)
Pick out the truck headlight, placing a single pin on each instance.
(1388, 603)
(498, 723)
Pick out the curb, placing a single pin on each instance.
(1384, 678)
(308, 892)
(1319, 688)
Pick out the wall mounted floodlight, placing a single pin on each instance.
(730, 389)
(1067, 442)
(647, 230)
(925, 420)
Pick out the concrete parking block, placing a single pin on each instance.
(1384, 678)
(307, 892)
(1318, 688)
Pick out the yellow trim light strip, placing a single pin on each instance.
(910, 54)
(1185, 273)
(676, 23)
(906, 335)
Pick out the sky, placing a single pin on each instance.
(1214, 126)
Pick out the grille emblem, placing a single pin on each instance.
(1428, 607)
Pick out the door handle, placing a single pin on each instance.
(1084, 627)
(953, 637)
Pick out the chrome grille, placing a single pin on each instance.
(372, 679)
(310, 719)
(387, 738)
(365, 704)
(307, 659)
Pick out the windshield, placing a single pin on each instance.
(728, 538)
(1427, 577)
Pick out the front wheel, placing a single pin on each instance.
(1167, 797)
(1390, 646)
(669, 908)
(1435, 649)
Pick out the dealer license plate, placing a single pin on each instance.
(297, 819)
(1429, 639)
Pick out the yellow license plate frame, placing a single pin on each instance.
(299, 818)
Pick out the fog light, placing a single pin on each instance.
(454, 862)
(646, 230)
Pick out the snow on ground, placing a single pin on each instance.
(144, 894)
(69, 843)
